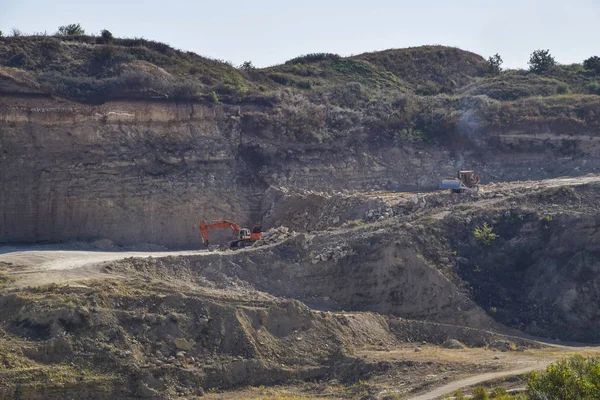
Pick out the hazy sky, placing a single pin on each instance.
(269, 32)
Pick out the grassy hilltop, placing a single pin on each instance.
(411, 94)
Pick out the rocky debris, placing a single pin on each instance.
(274, 235)
(502, 345)
(334, 254)
(379, 214)
(183, 344)
(453, 344)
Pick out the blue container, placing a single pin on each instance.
(451, 184)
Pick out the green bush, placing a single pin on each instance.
(593, 88)
(541, 61)
(592, 64)
(304, 85)
(1, 34)
(106, 35)
(313, 57)
(428, 89)
(562, 88)
(576, 377)
(281, 79)
(105, 57)
(484, 234)
(499, 393)
(480, 393)
(212, 97)
(18, 60)
(71, 30)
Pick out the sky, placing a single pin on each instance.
(269, 32)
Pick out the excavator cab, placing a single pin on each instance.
(244, 234)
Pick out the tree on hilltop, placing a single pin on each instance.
(592, 64)
(541, 61)
(71, 30)
(494, 64)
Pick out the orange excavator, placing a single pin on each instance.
(244, 237)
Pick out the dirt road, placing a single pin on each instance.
(391, 197)
(474, 380)
(54, 258)
(38, 265)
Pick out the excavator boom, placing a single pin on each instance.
(216, 224)
(243, 236)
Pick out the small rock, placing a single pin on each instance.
(418, 349)
(83, 311)
(180, 354)
(299, 338)
(183, 344)
(145, 391)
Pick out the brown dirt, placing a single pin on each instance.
(382, 291)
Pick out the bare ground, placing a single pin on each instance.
(348, 355)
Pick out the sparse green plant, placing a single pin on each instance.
(354, 223)
(541, 61)
(454, 253)
(71, 30)
(459, 395)
(484, 234)
(493, 310)
(477, 269)
(213, 98)
(498, 392)
(494, 65)
(480, 393)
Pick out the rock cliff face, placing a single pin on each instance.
(150, 171)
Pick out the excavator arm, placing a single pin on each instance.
(217, 224)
